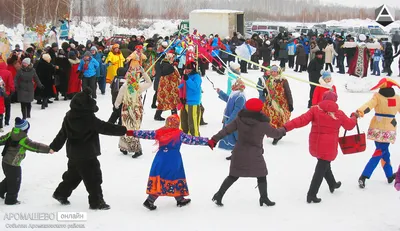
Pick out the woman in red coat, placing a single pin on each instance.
(74, 83)
(326, 119)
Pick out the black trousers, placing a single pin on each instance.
(388, 64)
(26, 110)
(396, 46)
(306, 66)
(7, 103)
(92, 83)
(283, 63)
(154, 103)
(243, 66)
(302, 67)
(1, 120)
(322, 170)
(312, 88)
(11, 184)
(115, 115)
(328, 65)
(291, 61)
(203, 68)
(87, 171)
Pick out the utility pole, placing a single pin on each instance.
(81, 12)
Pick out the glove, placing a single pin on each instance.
(185, 77)
(290, 107)
(397, 186)
(212, 143)
(265, 92)
(129, 132)
(360, 113)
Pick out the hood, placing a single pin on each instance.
(17, 134)
(76, 61)
(387, 92)
(323, 83)
(252, 118)
(3, 66)
(83, 102)
(328, 106)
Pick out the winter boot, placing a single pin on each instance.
(392, 178)
(157, 116)
(124, 152)
(202, 123)
(62, 200)
(361, 181)
(102, 205)
(336, 186)
(137, 154)
(262, 188)
(275, 141)
(229, 158)
(183, 202)
(149, 205)
(14, 202)
(154, 103)
(44, 104)
(313, 199)
(228, 182)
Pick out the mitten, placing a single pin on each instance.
(129, 133)
(290, 107)
(397, 186)
(355, 114)
(212, 143)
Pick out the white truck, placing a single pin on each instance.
(221, 22)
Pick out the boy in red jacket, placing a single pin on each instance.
(326, 85)
(326, 119)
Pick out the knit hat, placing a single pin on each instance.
(46, 57)
(22, 124)
(84, 102)
(26, 61)
(71, 54)
(87, 53)
(254, 105)
(325, 75)
(274, 68)
(93, 48)
(54, 45)
(330, 95)
(172, 121)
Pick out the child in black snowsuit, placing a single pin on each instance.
(81, 129)
(116, 84)
(16, 143)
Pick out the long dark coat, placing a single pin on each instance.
(45, 72)
(300, 55)
(62, 75)
(247, 156)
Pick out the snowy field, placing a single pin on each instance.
(375, 208)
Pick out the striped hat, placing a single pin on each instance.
(22, 124)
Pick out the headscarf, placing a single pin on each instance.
(239, 85)
(170, 132)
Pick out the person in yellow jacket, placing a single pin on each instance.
(382, 128)
(116, 60)
(137, 58)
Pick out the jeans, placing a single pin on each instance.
(377, 71)
(340, 62)
(101, 81)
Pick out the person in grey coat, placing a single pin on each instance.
(300, 58)
(283, 53)
(24, 87)
(396, 41)
(247, 156)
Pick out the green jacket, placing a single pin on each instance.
(16, 144)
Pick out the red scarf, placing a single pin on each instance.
(165, 136)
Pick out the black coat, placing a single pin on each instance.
(45, 72)
(266, 52)
(388, 54)
(62, 74)
(81, 129)
(314, 70)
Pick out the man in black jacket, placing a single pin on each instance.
(340, 52)
(81, 129)
(314, 72)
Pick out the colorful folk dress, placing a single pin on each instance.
(168, 92)
(359, 64)
(167, 174)
(276, 106)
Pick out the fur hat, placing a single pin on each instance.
(46, 57)
(26, 61)
(254, 105)
(234, 65)
(362, 37)
(330, 95)
(22, 124)
(84, 102)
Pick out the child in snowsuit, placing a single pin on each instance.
(326, 120)
(81, 129)
(377, 56)
(247, 156)
(326, 81)
(382, 129)
(167, 174)
(16, 143)
(116, 84)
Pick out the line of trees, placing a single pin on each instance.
(127, 12)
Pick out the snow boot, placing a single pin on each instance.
(313, 199)
(228, 182)
(183, 202)
(62, 200)
(149, 205)
(336, 186)
(202, 123)
(15, 202)
(392, 178)
(275, 141)
(361, 181)
(157, 116)
(229, 158)
(124, 152)
(137, 154)
(262, 188)
(102, 205)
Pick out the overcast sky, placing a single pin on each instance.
(367, 3)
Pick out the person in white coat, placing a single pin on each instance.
(130, 96)
(329, 53)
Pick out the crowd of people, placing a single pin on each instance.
(175, 67)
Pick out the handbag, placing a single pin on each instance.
(354, 143)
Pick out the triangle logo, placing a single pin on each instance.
(385, 12)
(384, 16)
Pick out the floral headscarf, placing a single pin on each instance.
(238, 86)
(170, 132)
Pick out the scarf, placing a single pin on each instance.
(170, 132)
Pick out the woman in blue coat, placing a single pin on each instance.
(234, 103)
(167, 175)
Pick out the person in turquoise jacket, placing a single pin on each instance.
(191, 112)
(89, 67)
(101, 71)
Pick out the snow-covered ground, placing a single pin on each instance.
(375, 208)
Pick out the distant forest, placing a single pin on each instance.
(128, 12)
